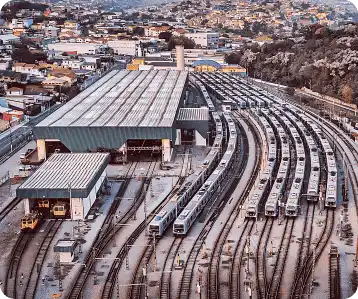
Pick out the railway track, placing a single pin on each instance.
(110, 283)
(165, 279)
(11, 287)
(9, 207)
(300, 283)
(261, 253)
(334, 275)
(34, 276)
(234, 289)
(104, 237)
(188, 271)
(274, 286)
(214, 264)
(235, 267)
(304, 248)
(186, 279)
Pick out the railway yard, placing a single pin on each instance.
(264, 206)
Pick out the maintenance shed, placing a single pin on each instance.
(66, 185)
(125, 113)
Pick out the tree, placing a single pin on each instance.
(138, 31)
(166, 35)
(188, 43)
(24, 55)
(347, 94)
(220, 25)
(233, 58)
(204, 22)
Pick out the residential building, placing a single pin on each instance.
(73, 64)
(9, 39)
(79, 48)
(5, 64)
(15, 91)
(205, 39)
(12, 77)
(52, 31)
(30, 69)
(71, 25)
(125, 47)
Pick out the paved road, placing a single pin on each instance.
(11, 141)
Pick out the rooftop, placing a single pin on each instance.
(124, 99)
(188, 114)
(63, 172)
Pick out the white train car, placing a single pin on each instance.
(293, 200)
(314, 176)
(169, 212)
(188, 216)
(278, 188)
(263, 182)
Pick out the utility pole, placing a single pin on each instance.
(341, 223)
(145, 217)
(248, 256)
(155, 255)
(79, 236)
(10, 136)
(145, 280)
(127, 256)
(94, 267)
(356, 260)
(346, 183)
(320, 199)
(313, 266)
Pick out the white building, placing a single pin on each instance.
(73, 64)
(125, 47)
(80, 48)
(205, 39)
(28, 68)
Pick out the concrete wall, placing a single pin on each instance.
(199, 140)
(167, 150)
(81, 206)
(41, 149)
(178, 139)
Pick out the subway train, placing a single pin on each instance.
(170, 211)
(188, 216)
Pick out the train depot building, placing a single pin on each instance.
(129, 114)
(66, 185)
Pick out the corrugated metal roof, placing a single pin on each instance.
(124, 99)
(193, 114)
(62, 171)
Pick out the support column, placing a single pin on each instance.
(166, 150)
(199, 140)
(41, 149)
(123, 148)
(27, 206)
(178, 139)
(77, 208)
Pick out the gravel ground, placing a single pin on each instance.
(89, 231)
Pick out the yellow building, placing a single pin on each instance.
(133, 67)
(213, 66)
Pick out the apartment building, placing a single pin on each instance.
(205, 39)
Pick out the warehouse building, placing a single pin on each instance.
(66, 185)
(126, 113)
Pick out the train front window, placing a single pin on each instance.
(29, 222)
(178, 225)
(154, 228)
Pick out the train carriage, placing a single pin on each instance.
(188, 216)
(171, 210)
